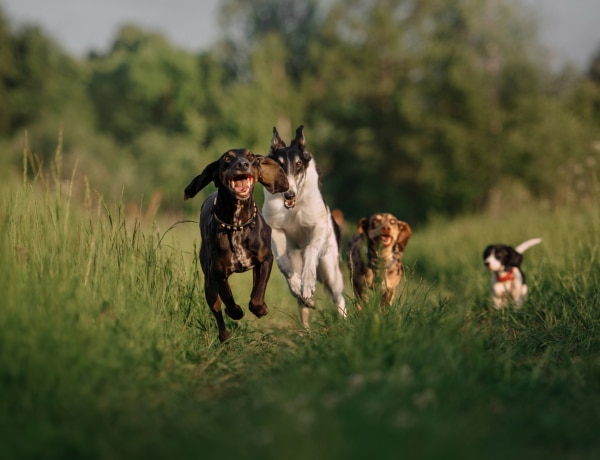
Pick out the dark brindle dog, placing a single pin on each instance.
(235, 237)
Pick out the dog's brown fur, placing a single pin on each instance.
(386, 238)
(235, 237)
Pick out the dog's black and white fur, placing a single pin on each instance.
(305, 238)
(508, 280)
(235, 237)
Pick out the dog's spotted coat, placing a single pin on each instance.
(508, 280)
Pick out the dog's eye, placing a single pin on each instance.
(393, 222)
(250, 157)
(298, 164)
(227, 159)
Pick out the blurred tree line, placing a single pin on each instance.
(416, 107)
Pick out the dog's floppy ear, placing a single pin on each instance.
(271, 175)
(514, 258)
(363, 226)
(487, 251)
(404, 234)
(207, 176)
(276, 143)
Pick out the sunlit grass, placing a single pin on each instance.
(107, 349)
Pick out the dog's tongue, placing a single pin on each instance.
(386, 240)
(242, 185)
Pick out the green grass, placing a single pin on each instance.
(108, 351)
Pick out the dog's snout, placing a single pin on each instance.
(290, 195)
(243, 165)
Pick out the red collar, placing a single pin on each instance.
(508, 277)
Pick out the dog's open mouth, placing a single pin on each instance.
(289, 199)
(242, 185)
(386, 239)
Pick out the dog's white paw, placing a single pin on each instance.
(295, 284)
(308, 294)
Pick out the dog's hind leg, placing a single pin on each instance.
(233, 310)
(288, 260)
(520, 294)
(336, 291)
(214, 303)
(312, 259)
(304, 311)
(332, 278)
(341, 305)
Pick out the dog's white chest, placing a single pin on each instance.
(242, 259)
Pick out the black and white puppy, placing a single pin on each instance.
(508, 280)
(305, 237)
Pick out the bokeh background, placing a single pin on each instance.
(419, 108)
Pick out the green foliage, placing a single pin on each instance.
(450, 104)
(437, 99)
(152, 84)
(31, 94)
(6, 73)
(248, 23)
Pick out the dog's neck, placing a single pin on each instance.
(505, 276)
(232, 214)
(385, 257)
(309, 182)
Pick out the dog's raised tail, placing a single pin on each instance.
(525, 245)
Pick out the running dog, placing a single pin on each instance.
(305, 238)
(386, 238)
(235, 237)
(508, 280)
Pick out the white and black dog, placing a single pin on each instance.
(508, 280)
(305, 238)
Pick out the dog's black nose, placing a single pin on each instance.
(289, 195)
(243, 165)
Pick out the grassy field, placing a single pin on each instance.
(108, 351)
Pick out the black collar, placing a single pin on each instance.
(224, 226)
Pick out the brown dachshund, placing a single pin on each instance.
(235, 237)
(386, 237)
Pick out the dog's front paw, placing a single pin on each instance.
(309, 302)
(308, 295)
(295, 284)
(259, 310)
(235, 312)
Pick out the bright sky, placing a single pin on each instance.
(83, 25)
(569, 28)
